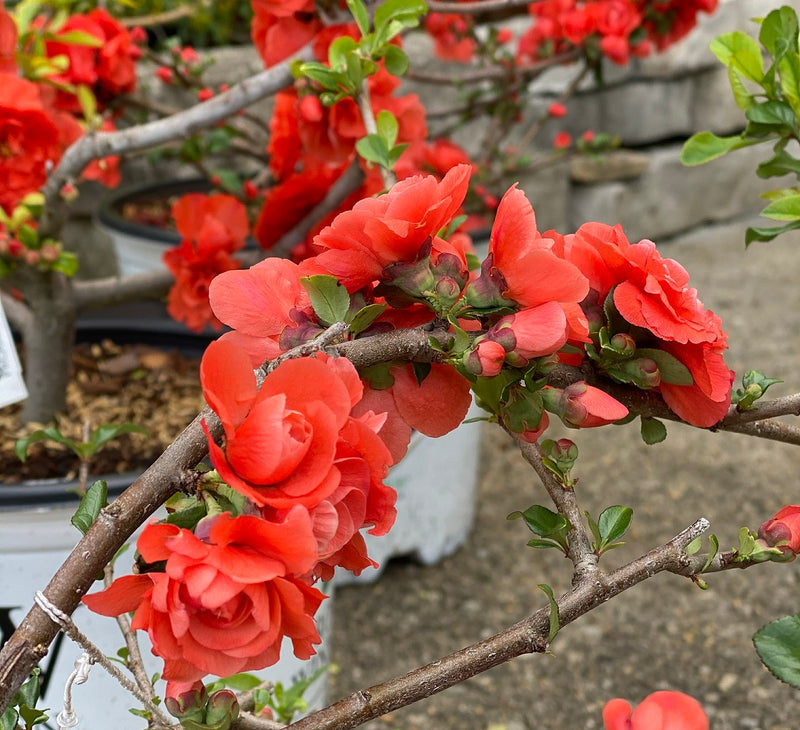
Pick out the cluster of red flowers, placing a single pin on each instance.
(39, 121)
(309, 450)
(664, 710)
(618, 28)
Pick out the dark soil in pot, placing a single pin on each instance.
(115, 379)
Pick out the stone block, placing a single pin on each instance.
(669, 198)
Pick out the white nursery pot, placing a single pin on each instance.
(34, 541)
(437, 486)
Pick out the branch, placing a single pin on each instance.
(94, 293)
(117, 522)
(580, 545)
(480, 8)
(526, 637)
(95, 145)
(788, 405)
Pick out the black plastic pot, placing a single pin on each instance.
(158, 332)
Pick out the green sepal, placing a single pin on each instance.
(555, 623)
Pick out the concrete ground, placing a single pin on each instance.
(662, 634)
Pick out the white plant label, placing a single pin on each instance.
(12, 386)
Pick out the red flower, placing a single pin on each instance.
(8, 43)
(585, 406)
(213, 227)
(653, 293)
(451, 35)
(659, 711)
(378, 232)
(526, 269)
(260, 303)
(562, 141)
(277, 35)
(434, 407)
(29, 140)
(281, 439)
(783, 527)
(557, 110)
(226, 600)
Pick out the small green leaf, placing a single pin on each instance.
(536, 542)
(712, 553)
(365, 316)
(387, 127)
(653, 431)
(778, 32)
(694, 546)
(396, 60)
(66, 263)
(8, 720)
(554, 620)
(741, 94)
(44, 434)
(360, 15)
(789, 69)
(672, 370)
(767, 234)
(740, 50)
(774, 113)
(328, 297)
(784, 209)
(92, 502)
(103, 434)
(540, 520)
(373, 149)
(87, 101)
(339, 50)
(706, 146)
(781, 163)
(613, 523)
(778, 647)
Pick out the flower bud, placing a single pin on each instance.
(186, 702)
(783, 527)
(531, 332)
(623, 343)
(485, 291)
(485, 359)
(222, 709)
(641, 371)
(584, 406)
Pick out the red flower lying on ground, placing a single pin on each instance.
(659, 711)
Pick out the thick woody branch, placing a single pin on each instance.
(93, 293)
(95, 145)
(117, 522)
(526, 637)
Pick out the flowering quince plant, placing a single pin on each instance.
(382, 321)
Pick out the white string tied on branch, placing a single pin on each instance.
(67, 719)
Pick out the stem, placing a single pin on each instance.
(525, 637)
(365, 107)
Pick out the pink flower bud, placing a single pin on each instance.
(186, 701)
(205, 94)
(504, 35)
(32, 257)
(532, 332)
(784, 526)
(486, 359)
(165, 75)
(557, 110)
(15, 248)
(222, 708)
(585, 406)
(562, 141)
(50, 252)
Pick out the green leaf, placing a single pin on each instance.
(694, 546)
(365, 316)
(103, 434)
(779, 164)
(329, 298)
(87, 101)
(92, 502)
(189, 516)
(387, 127)
(778, 647)
(373, 149)
(339, 50)
(740, 50)
(767, 234)
(741, 94)
(360, 15)
(8, 720)
(79, 38)
(714, 543)
(706, 146)
(672, 370)
(394, 15)
(66, 263)
(396, 60)
(784, 209)
(613, 523)
(778, 33)
(773, 113)
(536, 542)
(44, 434)
(789, 69)
(653, 431)
(324, 76)
(554, 620)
